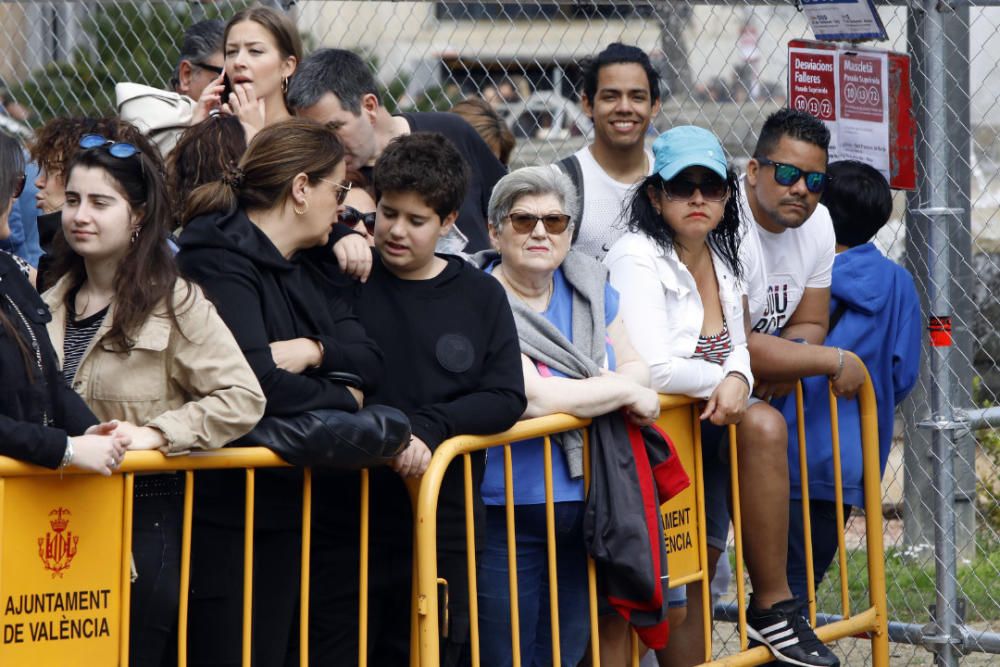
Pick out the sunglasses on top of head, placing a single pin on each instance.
(525, 223)
(118, 149)
(351, 216)
(788, 175)
(712, 188)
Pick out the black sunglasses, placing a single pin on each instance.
(210, 68)
(788, 174)
(351, 216)
(524, 223)
(712, 188)
(118, 149)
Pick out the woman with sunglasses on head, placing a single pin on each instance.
(531, 215)
(143, 346)
(257, 241)
(682, 297)
(42, 421)
(262, 49)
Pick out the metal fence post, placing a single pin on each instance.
(939, 219)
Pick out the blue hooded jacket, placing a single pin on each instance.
(882, 325)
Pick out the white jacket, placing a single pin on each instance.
(663, 314)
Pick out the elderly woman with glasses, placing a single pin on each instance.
(562, 303)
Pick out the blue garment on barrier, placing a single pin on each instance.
(882, 325)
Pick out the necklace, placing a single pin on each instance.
(527, 298)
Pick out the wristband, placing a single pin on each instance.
(840, 365)
(68, 454)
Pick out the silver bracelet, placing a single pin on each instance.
(68, 454)
(840, 365)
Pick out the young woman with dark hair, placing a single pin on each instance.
(143, 346)
(42, 421)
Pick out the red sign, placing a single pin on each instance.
(858, 105)
(811, 84)
(861, 87)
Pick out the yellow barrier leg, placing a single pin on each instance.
(515, 616)
(304, 581)
(734, 479)
(363, 575)
(126, 579)
(806, 507)
(550, 544)
(633, 648)
(182, 609)
(470, 551)
(699, 494)
(873, 521)
(248, 568)
(838, 490)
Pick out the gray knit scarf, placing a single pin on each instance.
(543, 342)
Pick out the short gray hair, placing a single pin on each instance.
(532, 181)
(201, 41)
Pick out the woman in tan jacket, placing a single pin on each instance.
(145, 347)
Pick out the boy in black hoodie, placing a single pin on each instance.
(452, 364)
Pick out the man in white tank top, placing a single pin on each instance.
(621, 94)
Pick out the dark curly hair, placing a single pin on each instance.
(793, 124)
(724, 239)
(58, 141)
(427, 164)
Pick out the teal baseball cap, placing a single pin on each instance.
(687, 146)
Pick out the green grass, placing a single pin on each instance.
(910, 584)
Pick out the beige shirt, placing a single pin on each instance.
(196, 388)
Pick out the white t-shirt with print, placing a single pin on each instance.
(779, 267)
(604, 206)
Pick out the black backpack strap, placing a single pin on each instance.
(571, 167)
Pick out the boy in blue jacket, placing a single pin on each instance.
(875, 313)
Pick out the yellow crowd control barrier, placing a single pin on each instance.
(872, 621)
(684, 533)
(65, 565)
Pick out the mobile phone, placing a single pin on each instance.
(226, 90)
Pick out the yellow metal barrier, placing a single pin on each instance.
(679, 418)
(873, 621)
(88, 559)
(686, 565)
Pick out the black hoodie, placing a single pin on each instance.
(264, 297)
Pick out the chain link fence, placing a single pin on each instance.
(723, 65)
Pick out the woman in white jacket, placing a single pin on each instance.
(678, 272)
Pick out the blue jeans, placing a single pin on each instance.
(823, 517)
(533, 587)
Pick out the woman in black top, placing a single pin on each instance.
(42, 421)
(259, 247)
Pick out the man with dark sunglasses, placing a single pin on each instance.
(787, 253)
(200, 60)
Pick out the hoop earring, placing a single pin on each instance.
(284, 85)
(304, 210)
(135, 235)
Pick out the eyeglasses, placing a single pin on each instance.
(789, 174)
(210, 68)
(352, 216)
(118, 149)
(524, 223)
(19, 186)
(341, 192)
(682, 189)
